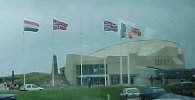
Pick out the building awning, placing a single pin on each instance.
(175, 74)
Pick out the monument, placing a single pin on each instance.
(55, 79)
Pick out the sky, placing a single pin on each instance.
(171, 20)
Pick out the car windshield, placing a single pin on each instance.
(93, 49)
(130, 90)
(124, 90)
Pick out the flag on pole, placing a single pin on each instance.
(135, 31)
(109, 26)
(58, 25)
(123, 30)
(127, 31)
(31, 26)
(128, 35)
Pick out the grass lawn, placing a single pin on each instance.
(73, 93)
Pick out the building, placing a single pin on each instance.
(130, 62)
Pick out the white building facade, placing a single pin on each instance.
(126, 63)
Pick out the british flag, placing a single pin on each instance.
(58, 25)
(109, 26)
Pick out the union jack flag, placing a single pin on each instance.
(109, 26)
(58, 25)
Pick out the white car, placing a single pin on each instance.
(30, 87)
(130, 93)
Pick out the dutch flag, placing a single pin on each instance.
(31, 26)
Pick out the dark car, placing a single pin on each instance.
(183, 88)
(7, 97)
(152, 93)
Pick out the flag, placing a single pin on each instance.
(128, 35)
(136, 31)
(123, 30)
(58, 25)
(109, 26)
(127, 31)
(132, 30)
(31, 26)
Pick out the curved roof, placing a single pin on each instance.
(142, 48)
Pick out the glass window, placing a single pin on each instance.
(28, 86)
(85, 70)
(78, 70)
(125, 79)
(34, 86)
(96, 69)
(90, 69)
(101, 69)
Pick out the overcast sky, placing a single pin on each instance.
(171, 20)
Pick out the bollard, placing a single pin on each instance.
(108, 96)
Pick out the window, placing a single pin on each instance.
(34, 86)
(28, 86)
(101, 68)
(85, 70)
(92, 69)
(96, 69)
(161, 62)
(78, 70)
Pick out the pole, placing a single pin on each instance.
(53, 82)
(105, 81)
(121, 65)
(128, 65)
(81, 70)
(104, 69)
(24, 76)
(81, 54)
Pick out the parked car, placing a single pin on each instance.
(7, 97)
(152, 93)
(183, 88)
(30, 87)
(129, 93)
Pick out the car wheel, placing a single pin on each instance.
(126, 96)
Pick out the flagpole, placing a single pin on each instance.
(105, 80)
(81, 70)
(105, 59)
(29, 28)
(120, 59)
(128, 65)
(121, 65)
(24, 76)
(108, 26)
(53, 82)
(81, 55)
